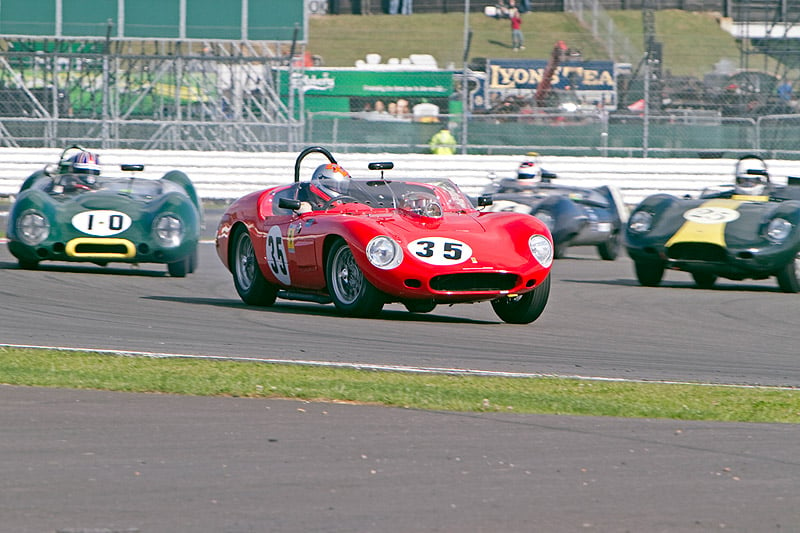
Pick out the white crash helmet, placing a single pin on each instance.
(751, 176)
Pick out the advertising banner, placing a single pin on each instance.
(588, 83)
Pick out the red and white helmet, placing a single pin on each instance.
(529, 170)
(331, 178)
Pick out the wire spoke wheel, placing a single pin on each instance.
(250, 283)
(350, 291)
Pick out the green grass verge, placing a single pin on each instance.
(546, 395)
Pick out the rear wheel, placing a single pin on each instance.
(350, 291)
(525, 308)
(248, 279)
(704, 280)
(789, 276)
(649, 273)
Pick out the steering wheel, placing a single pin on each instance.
(345, 199)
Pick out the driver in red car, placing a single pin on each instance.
(329, 181)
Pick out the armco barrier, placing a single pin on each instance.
(228, 175)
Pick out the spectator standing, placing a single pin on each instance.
(517, 40)
(443, 142)
(407, 7)
(785, 92)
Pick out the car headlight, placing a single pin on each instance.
(778, 229)
(546, 218)
(168, 230)
(32, 227)
(384, 252)
(641, 222)
(542, 249)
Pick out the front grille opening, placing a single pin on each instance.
(91, 248)
(477, 281)
(697, 251)
(413, 283)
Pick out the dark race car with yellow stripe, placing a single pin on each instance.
(65, 213)
(720, 234)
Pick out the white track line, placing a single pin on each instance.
(385, 368)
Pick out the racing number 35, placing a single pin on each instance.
(440, 250)
(276, 255)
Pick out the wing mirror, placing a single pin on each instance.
(289, 203)
(484, 200)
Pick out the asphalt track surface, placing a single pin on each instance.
(87, 461)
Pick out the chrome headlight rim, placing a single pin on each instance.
(641, 222)
(384, 252)
(168, 230)
(542, 249)
(778, 230)
(32, 227)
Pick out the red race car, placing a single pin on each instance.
(361, 243)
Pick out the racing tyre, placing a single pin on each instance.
(179, 269)
(525, 308)
(193, 261)
(649, 273)
(420, 306)
(350, 291)
(704, 280)
(609, 250)
(28, 265)
(789, 276)
(250, 283)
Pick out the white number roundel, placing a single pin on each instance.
(440, 250)
(711, 215)
(101, 223)
(276, 256)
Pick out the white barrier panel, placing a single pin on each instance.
(229, 175)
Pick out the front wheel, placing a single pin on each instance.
(420, 306)
(525, 308)
(179, 269)
(350, 291)
(649, 273)
(704, 280)
(609, 250)
(250, 283)
(28, 265)
(789, 276)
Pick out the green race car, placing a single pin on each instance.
(70, 212)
